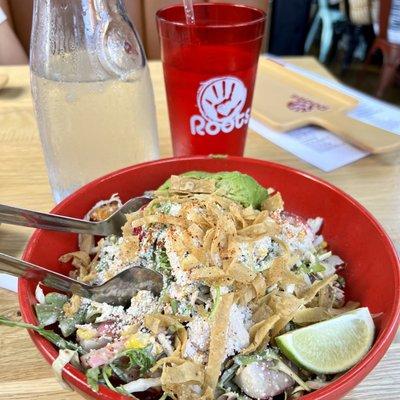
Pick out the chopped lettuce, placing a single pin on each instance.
(56, 299)
(92, 376)
(52, 309)
(47, 314)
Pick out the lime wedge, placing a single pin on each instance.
(330, 346)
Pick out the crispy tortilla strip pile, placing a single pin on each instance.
(209, 231)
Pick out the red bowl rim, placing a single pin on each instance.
(339, 387)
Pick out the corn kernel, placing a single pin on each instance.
(137, 341)
(85, 334)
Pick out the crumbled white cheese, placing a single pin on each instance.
(109, 263)
(238, 329)
(181, 292)
(166, 343)
(175, 209)
(290, 288)
(108, 312)
(181, 276)
(198, 340)
(298, 237)
(261, 248)
(259, 254)
(143, 303)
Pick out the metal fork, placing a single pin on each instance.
(34, 219)
(117, 291)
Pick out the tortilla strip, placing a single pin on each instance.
(81, 261)
(236, 213)
(159, 322)
(208, 238)
(245, 295)
(196, 231)
(316, 287)
(262, 312)
(182, 336)
(86, 242)
(240, 273)
(184, 184)
(287, 305)
(217, 349)
(189, 262)
(208, 274)
(307, 316)
(249, 213)
(167, 360)
(259, 333)
(217, 243)
(261, 217)
(268, 227)
(259, 285)
(255, 289)
(127, 228)
(272, 203)
(187, 372)
(279, 273)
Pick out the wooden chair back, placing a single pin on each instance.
(385, 7)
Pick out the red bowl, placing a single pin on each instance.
(372, 271)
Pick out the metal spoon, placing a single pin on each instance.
(117, 291)
(34, 219)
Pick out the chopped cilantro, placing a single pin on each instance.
(141, 358)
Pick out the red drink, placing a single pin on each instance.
(210, 70)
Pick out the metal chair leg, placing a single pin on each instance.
(312, 34)
(326, 39)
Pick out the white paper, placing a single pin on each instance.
(313, 145)
(8, 282)
(320, 147)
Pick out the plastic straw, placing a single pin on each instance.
(189, 11)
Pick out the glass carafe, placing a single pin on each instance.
(92, 91)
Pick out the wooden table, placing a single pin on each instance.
(374, 181)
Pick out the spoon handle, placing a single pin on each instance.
(34, 219)
(19, 268)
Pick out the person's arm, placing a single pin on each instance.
(11, 50)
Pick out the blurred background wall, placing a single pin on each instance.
(141, 12)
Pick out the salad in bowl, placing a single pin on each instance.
(252, 305)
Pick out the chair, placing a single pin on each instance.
(328, 17)
(390, 51)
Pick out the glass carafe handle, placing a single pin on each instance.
(119, 48)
